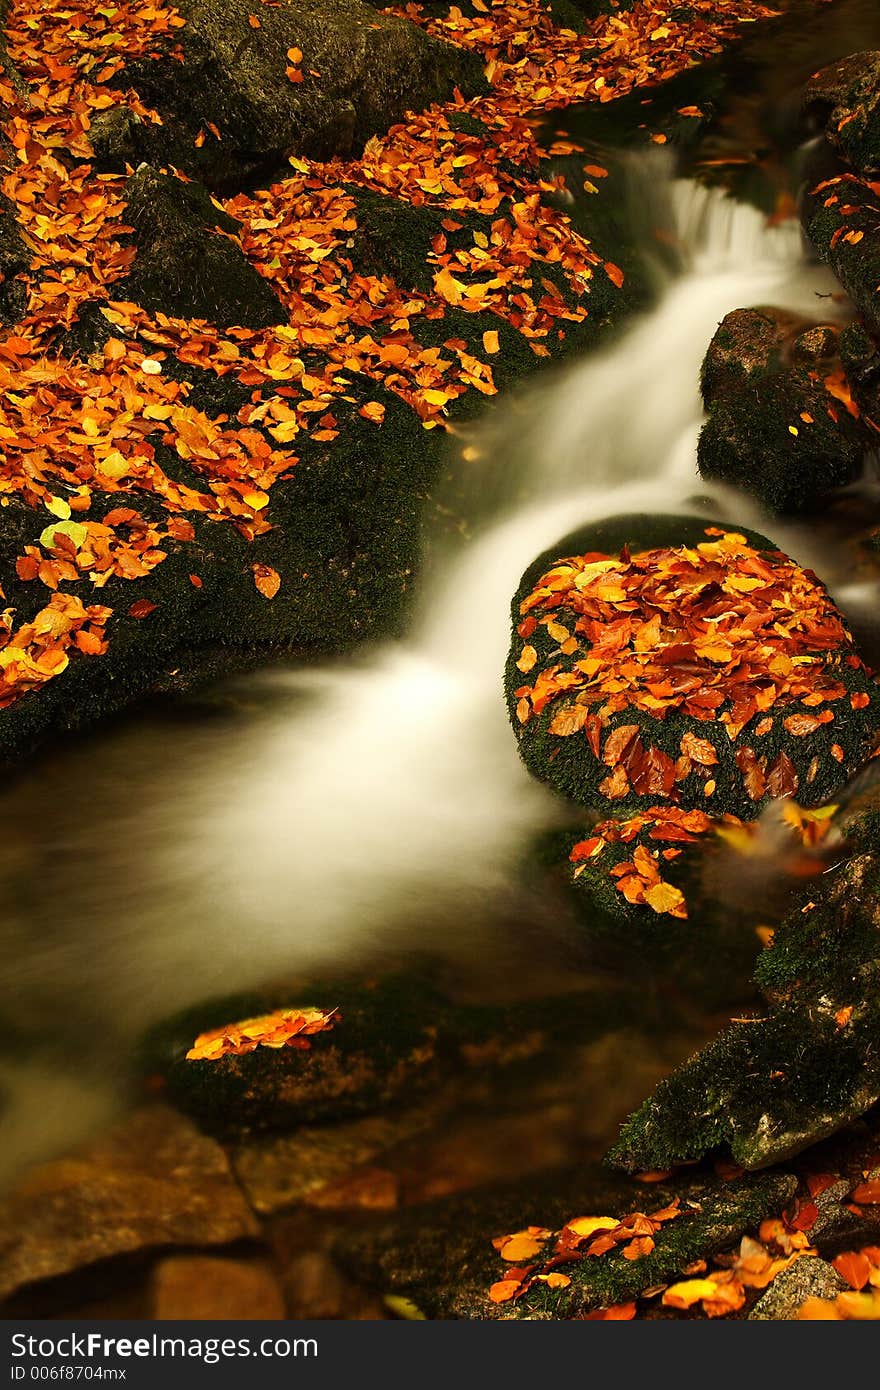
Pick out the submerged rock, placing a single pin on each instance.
(782, 424)
(189, 263)
(308, 79)
(771, 1086)
(154, 1181)
(665, 660)
(845, 99)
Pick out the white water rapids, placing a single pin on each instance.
(378, 801)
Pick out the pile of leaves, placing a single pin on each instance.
(76, 434)
(281, 1028)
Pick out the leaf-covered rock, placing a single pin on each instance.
(668, 660)
(300, 77)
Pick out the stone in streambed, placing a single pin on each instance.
(779, 423)
(651, 663)
(358, 74)
(773, 1085)
(839, 216)
(189, 263)
(213, 1288)
(395, 1040)
(441, 1257)
(153, 1181)
(806, 1278)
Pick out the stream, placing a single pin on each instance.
(373, 809)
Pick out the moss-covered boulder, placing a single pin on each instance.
(772, 1085)
(443, 1257)
(666, 660)
(309, 78)
(385, 1042)
(844, 98)
(782, 424)
(839, 216)
(189, 262)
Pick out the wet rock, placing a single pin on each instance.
(809, 1277)
(654, 719)
(778, 425)
(317, 1288)
(210, 1288)
(441, 1257)
(280, 1170)
(839, 217)
(845, 98)
(153, 1181)
(397, 1040)
(189, 263)
(234, 109)
(773, 1085)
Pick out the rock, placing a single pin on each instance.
(441, 1258)
(396, 1040)
(773, 1085)
(154, 1181)
(809, 1277)
(232, 114)
(778, 425)
(845, 98)
(316, 1288)
(658, 720)
(15, 262)
(189, 263)
(839, 217)
(211, 1288)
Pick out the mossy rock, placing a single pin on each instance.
(571, 739)
(361, 72)
(186, 264)
(398, 1037)
(346, 538)
(773, 1085)
(774, 429)
(839, 217)
(15, 262)
(845, 98)
(440, 1257)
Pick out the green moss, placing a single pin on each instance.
(186, 264)
(856, 265)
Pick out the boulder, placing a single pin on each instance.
(307, 79)
(154, 1181)
(209, 1288)
(441, 1259)
(839, 216)
(650, 663)
(844, 98)
(189, 262)
(772, 1085)
(806, 1278)
(782, 423)
(393, 1040)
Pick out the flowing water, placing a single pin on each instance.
(321, 817)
